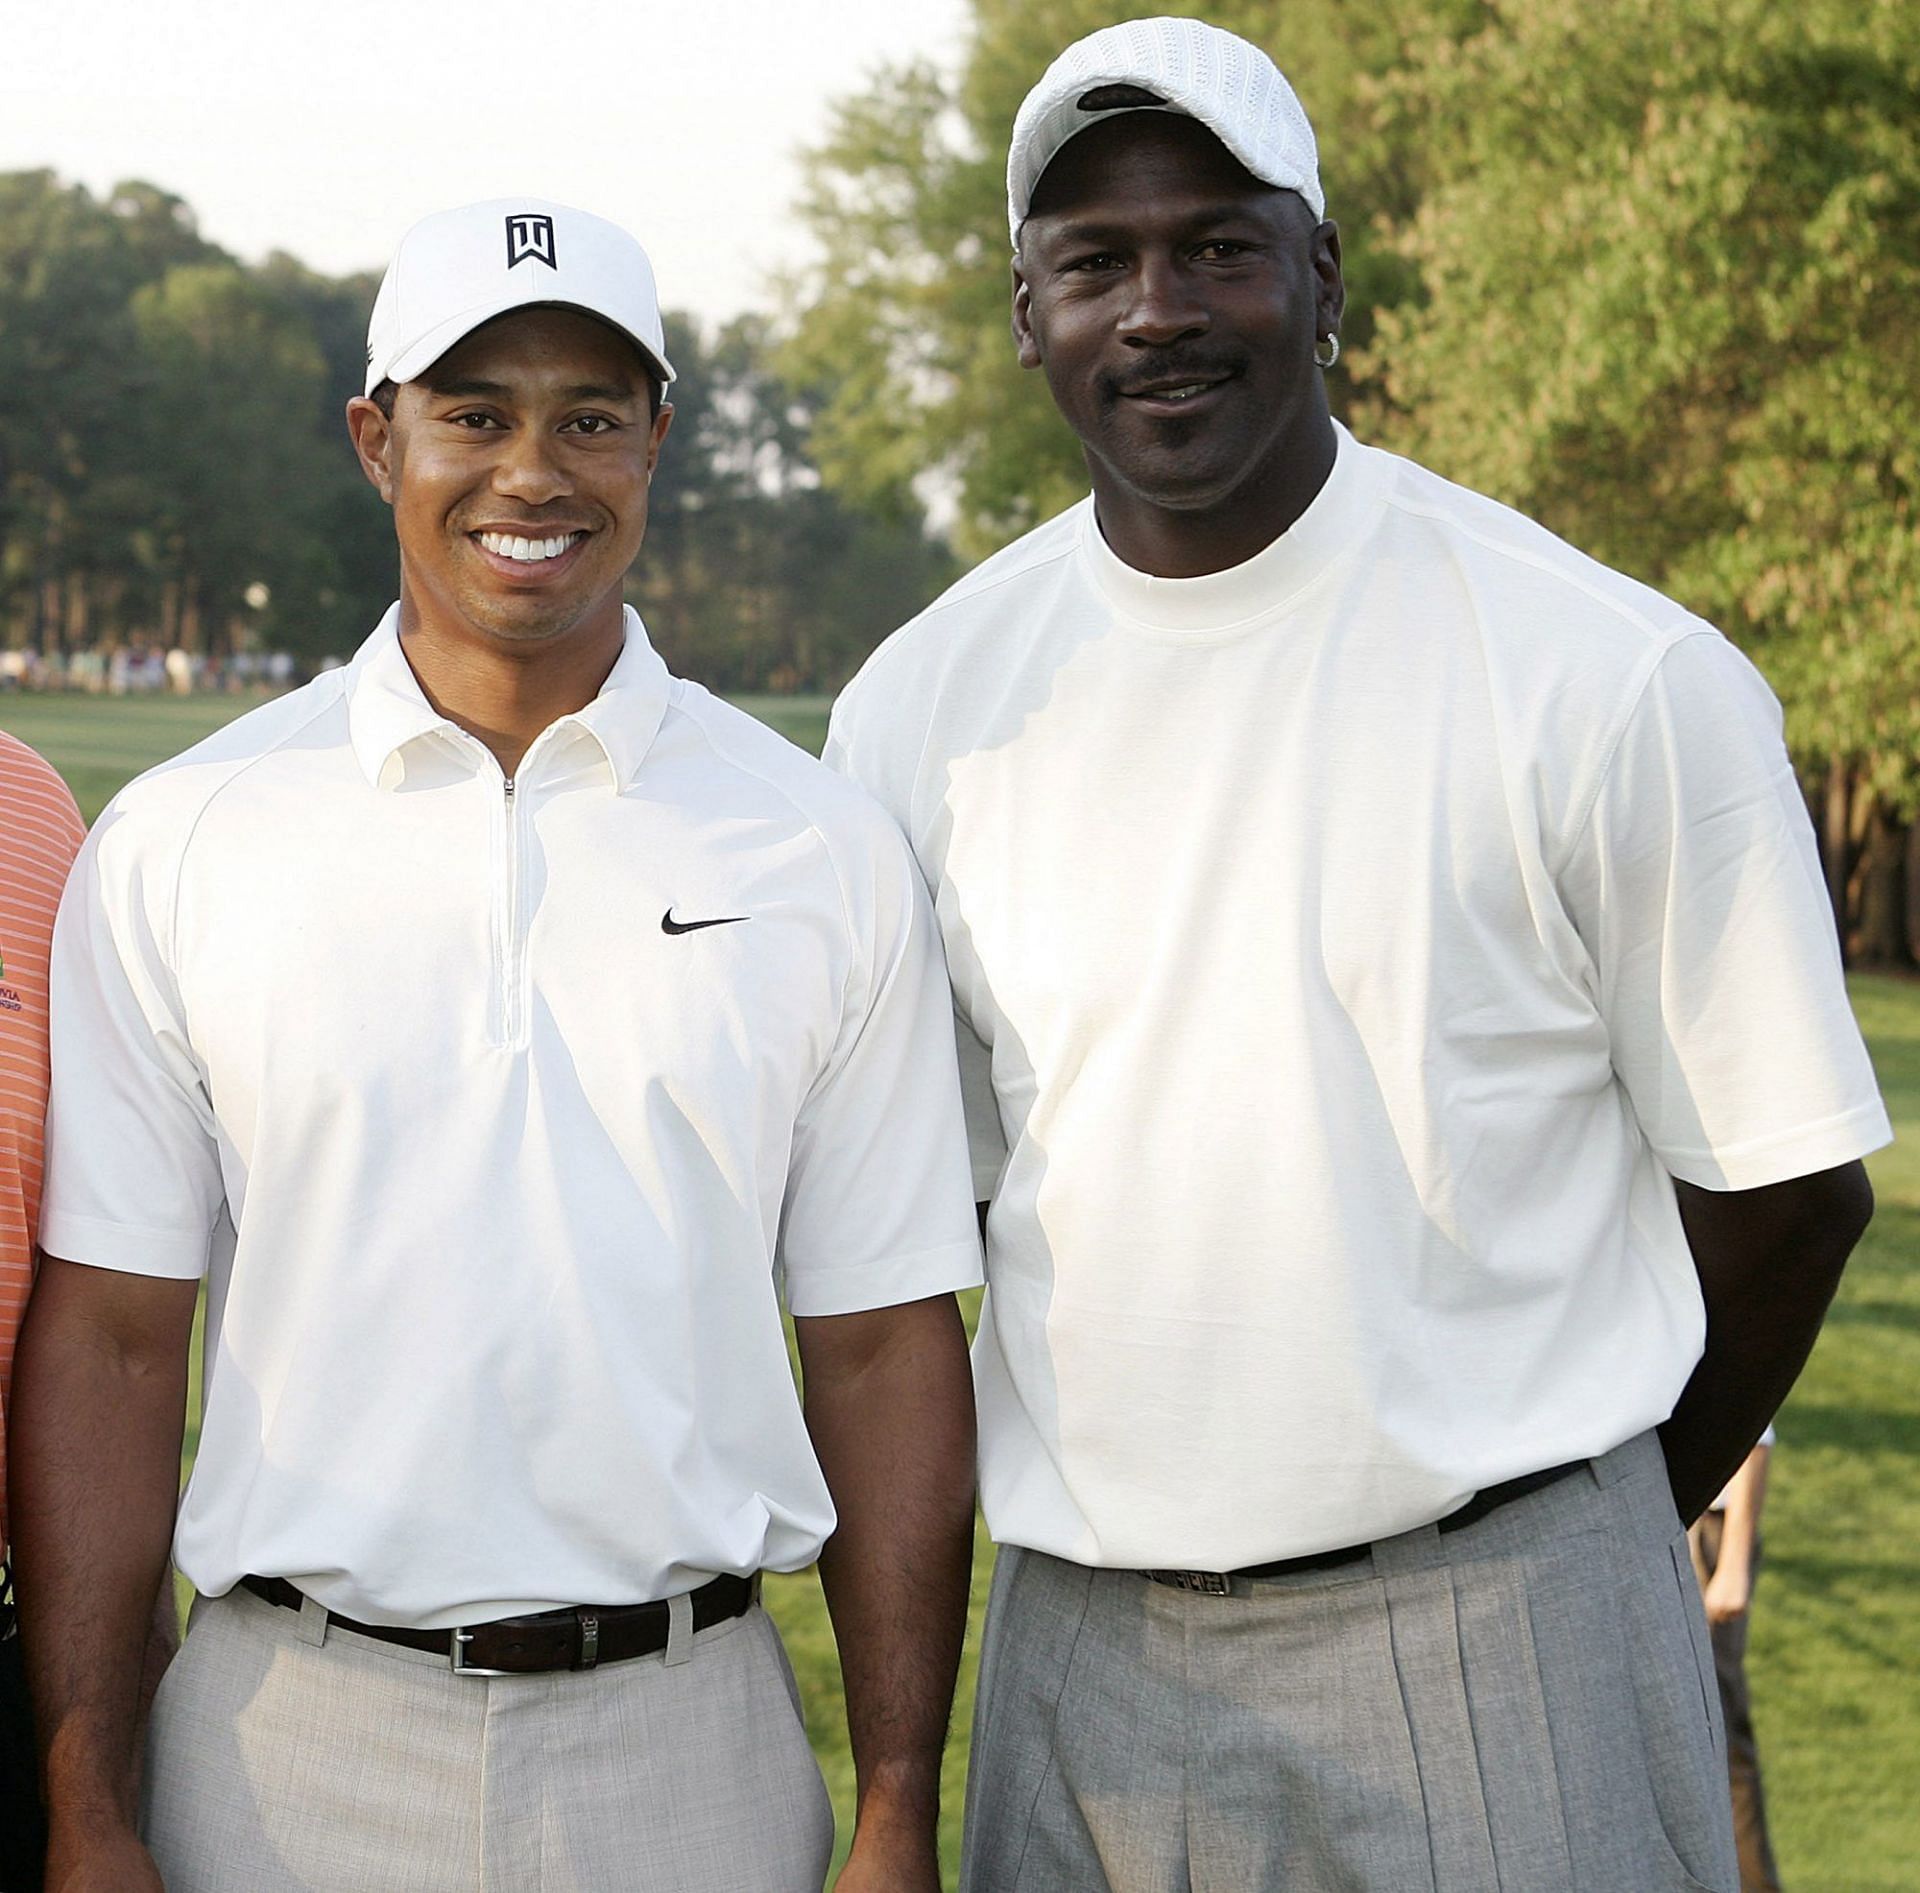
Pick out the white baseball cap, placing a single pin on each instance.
(460, 268)
(1190, 68)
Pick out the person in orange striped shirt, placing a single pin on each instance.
(40, 833)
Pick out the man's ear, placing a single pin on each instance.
(1024, 340)
(1330, 289)
(658, 433)
(372, 436)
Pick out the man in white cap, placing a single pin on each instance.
(1409, 1026)
(500, 1027)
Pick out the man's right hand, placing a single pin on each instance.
(109, 1860)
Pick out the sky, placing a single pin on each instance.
(326, 130)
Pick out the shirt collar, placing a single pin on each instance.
(387, 711)
(625, 717)
(1338, 516)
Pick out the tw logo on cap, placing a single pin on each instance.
(531, 236)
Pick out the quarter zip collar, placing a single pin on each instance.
(625, 716)
(388, 713)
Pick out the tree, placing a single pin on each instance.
(328, 597)
(69, 387)
(231, 382)
(1669, 268)
(171, 432)
(754, 576)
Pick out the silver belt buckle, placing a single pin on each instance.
(457, 1640)
(1203, 1583)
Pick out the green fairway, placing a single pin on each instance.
(1835, 1657)
(97, 743)
(801, 720)
(1835, 1651)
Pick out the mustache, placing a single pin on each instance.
(1170, 371)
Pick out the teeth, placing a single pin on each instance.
(1183, 393)
(527, 551)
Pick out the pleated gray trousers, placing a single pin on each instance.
(283, 1757)
(1524, 1705)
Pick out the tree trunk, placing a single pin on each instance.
(1911, 916)
(53, 618)
(1834, 842)
(76, 612)
(1882, 876)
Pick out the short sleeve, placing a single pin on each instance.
(133, 1172)
(868, 763)
(878, 1210)
(1695, 885)
(986, 1136)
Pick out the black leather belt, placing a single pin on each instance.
(1489, 1499)
(579, 1637)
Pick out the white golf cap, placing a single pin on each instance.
(1190, 68)
(460, 268)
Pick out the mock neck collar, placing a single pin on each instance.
(387, 710)
(1221, 602)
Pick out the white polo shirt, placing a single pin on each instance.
(499, 1111)
(1362, 940)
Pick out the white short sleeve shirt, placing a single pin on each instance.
(498, 1112)
(1354, 945)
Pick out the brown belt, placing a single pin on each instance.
(577, 1638)
(1488, 1499)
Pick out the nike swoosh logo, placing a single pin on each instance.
(669, 925)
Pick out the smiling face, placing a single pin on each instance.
(1173, 302)
(517, 470)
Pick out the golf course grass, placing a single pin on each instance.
(97, 743)
(1835, 1653)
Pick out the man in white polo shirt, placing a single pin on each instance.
(497, 1024)
(1410, 1023)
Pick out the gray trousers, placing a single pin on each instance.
(1526, 1704)
(286, 1758)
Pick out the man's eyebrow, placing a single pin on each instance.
(464, 388)
(1081, 232)
(1123, 230)
(601, 391)
(467, 389)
